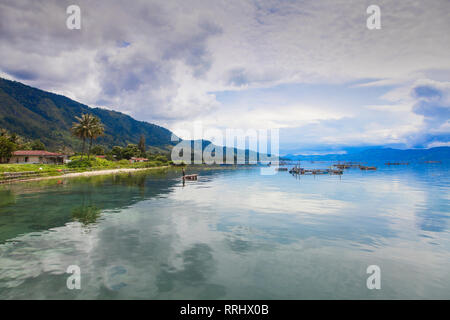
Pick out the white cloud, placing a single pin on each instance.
(164, 61)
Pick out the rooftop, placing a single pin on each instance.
(35, 153)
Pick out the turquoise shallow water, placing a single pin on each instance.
(233, 234)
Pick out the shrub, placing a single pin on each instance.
(93, 162)
(161, 158)
(123, 162)
(78, 163)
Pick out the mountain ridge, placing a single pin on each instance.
(38, 114)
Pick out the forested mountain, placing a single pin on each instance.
(37, 114)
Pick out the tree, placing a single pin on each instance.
(81, 129)
(141, 145)
(98, 150)
(7, 147)
(65, 150)
(18, 141)
(88, 127)
(37, 145)
(130, 151)
(96, 129)
(116, 151)
(15, 138)
(4, 132)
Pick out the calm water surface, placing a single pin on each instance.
(233, 234)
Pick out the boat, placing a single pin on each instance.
(190, 177)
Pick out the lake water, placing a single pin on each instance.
(233, 234)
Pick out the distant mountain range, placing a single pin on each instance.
(381, 154)
(37, 114)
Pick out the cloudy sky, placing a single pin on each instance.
(308, 67)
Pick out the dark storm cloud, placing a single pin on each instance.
(122, 55)
(435, 109)
(192, 50)
(22, 74)
(431, 104)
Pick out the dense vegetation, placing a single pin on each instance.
(77, 165)
(87, 127)
(36, 114)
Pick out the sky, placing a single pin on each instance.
(310, 68)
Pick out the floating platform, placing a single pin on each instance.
(368, 168)
(190, 177)
(296, 170)
(347, 165)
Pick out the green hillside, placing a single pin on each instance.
(37, 114)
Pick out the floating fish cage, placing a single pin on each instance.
(314, 171)
(367, 168)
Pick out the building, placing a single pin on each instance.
(38, 156)
(134, 159)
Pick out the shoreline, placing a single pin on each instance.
(88, 174)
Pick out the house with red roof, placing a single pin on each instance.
(37, 156)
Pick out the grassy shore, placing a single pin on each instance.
(89, 173)
(26, 172)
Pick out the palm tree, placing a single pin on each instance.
(96, 130)
(82, 129)
(88, 127)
